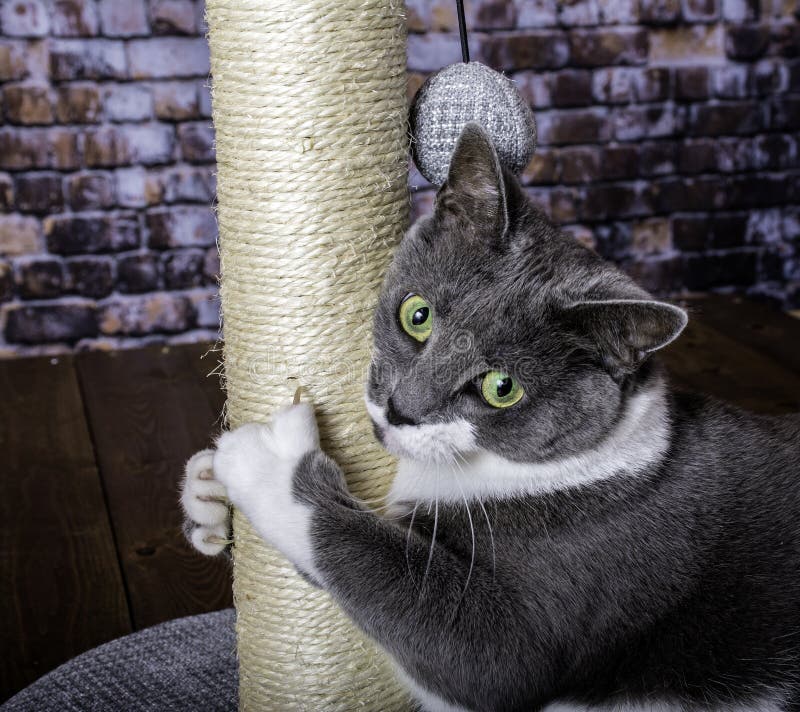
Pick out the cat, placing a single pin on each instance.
(564, 531)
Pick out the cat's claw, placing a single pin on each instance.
(205, 503)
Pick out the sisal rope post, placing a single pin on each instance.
(309, 107)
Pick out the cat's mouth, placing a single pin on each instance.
(423, 442)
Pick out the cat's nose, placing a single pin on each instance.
(395, 417)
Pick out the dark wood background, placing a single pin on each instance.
(93, 447)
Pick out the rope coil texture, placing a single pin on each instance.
(309, 107)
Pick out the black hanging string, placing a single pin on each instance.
(462, 31)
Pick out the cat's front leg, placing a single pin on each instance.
(256, 465)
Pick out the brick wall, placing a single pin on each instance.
(668, 134)
(107, 237)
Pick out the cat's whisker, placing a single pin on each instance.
(471, 528)
(408, 541)
(435, 525)
(458, 460)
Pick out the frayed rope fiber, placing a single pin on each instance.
(309, 107)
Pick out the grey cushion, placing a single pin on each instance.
(184, 665)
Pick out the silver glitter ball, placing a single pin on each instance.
(462, 93)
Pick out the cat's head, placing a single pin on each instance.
(497, 332)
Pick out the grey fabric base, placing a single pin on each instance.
(185, 665)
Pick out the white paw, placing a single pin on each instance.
(205, 504)
(256, 463)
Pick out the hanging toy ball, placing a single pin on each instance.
(464, 92)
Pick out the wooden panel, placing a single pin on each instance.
(149, 410)
(60, 582)
(766, 330)
(707, 360)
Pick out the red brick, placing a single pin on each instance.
(91, 232)
(197, 142)
(168, 57)
(619, 162)
(12, 60)
(65, 321)
(697, 156)
(701, 10)
(580, 164)
(24, 18)
(87, 59)
(189, 184)
(636, 122)
(86, 191)
(65, 151)
(207, 306)
(573, 126)
(432, 51)
(660, 11)
(658, 158)
(492, 15)
(701, 43)
(730, 82)
(770, 76)
(90, 276)
(526, 50)
(615, 200)
(39, 278)
(598, 48)
(614, 85)
(148, 144)
(692, 83)
(652, 84)
(27, 104)
(106, 146)
(211, 269)
(176, 101)
(6, 281)
(23, 148)
(123, 19)
(661, 276)
(39, 193)
(183, 269)
(571, 87)
(138, 272)
(78, 104)
(74, 18)
(127, 102)
(146, 314)
(574, 13)
(651, 236)
(746, 42)
(6, 193)
(173, 17)
(543, 169)
(182, 226)
(19, 235)
(741, 10)
(136, 188)
(724, 119)
(563, 205)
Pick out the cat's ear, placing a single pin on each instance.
(627, 331)
(473, 197)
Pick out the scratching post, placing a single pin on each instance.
(309, 107)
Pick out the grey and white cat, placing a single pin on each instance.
(566, 533)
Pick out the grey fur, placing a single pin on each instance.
(678, 584)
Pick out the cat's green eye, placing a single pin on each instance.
(416, 317)
(500, 390)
